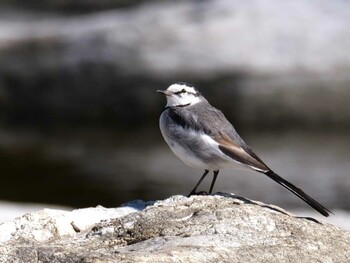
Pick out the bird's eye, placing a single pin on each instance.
(181, 91)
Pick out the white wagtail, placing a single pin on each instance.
(202, 137)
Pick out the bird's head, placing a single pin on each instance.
(181, 94)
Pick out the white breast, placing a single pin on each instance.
(207, 144)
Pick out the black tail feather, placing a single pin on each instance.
(298, 192)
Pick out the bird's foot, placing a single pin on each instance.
(198, 193)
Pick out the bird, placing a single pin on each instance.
(202, 137)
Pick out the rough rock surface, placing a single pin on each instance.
(219, 228)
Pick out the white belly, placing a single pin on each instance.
(190, 159)
(196, 150)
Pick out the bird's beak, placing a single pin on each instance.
(164, 92)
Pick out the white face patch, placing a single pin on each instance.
(179, 87)
(182, 94)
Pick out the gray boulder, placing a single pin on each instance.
(218, 228)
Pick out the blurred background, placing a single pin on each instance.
(79, 112)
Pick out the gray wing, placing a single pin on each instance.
(205, 118)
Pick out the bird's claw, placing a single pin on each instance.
(198, 193)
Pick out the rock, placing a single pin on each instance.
(51, 224)
(217, 228)
(10, 210)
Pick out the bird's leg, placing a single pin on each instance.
(213, 181)
(199, 182)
